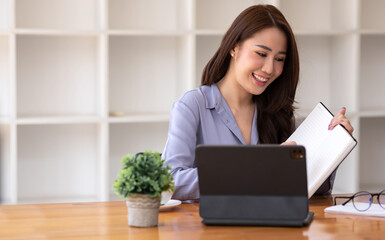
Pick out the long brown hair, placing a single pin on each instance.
(275, 105)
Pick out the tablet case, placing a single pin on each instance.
(253, 185)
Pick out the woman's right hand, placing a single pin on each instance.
(289, 143)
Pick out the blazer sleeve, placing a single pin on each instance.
(179, 151)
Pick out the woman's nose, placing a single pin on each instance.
(268, 66)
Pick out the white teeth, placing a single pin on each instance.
(260, 78)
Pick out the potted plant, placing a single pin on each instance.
(141, 181)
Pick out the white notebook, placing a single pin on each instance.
(325, 149)
(375, 210)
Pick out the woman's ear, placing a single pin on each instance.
(234, 50)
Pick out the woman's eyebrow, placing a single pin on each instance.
(269, 49)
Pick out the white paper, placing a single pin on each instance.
(325, 149)
(375, 210)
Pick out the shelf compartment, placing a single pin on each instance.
(326, 15)
(327, 72)
(372, 72)
(372, 164)
(147, 74)
(149, 14)
(206, 47)
(57, 76)
(372, 15)
(5, 164)
(57, 14)
(5, 81)
(132, 138)
(57, 162)
(229, 10)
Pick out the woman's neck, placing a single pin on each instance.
(235, 95)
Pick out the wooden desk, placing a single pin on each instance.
(108, 220)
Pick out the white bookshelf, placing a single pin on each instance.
(317, 17)
(371, 164)
(331, 68)
(46, 88)
(68, 67)
(131, 72)
(69, 172)
(372, 72)
(206, 45)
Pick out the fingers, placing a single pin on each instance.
(337, 118)
(342, 111)
(347, 125)
(289, 143)
(340, 118)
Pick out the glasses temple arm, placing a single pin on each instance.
(343, 204)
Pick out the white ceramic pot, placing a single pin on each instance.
(166, 196)
(143, 210)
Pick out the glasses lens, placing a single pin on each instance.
(362, 201)
(381, 199)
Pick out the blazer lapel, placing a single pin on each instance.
(217, 101)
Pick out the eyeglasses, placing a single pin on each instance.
(363, 200)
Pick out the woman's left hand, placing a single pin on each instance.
(340, 118)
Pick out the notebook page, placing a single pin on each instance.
(325, 149)
(324, 160)
(375, 210)
(313, 130)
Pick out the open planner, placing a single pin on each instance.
(325, 149)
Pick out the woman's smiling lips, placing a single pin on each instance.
(260, 80)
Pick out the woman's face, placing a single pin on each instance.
(259, 60)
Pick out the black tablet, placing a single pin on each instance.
(253, 185)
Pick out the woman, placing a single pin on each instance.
(246, 97)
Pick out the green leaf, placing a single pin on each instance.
(144, 173)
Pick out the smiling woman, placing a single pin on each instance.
(247, 96)
(258, 61)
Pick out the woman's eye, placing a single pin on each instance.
(261, 54)
(280, 59)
